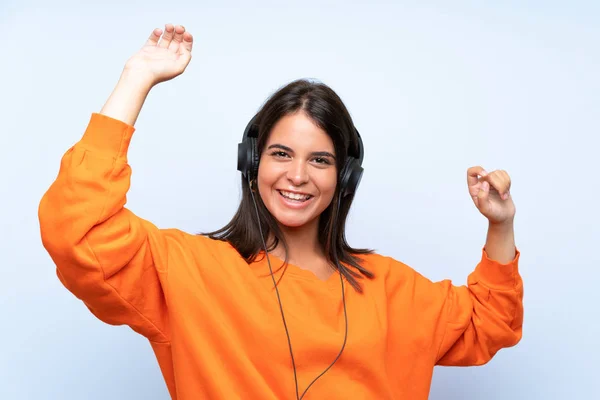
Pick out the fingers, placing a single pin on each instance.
(167, 37)
(177, 38)
(187, 41)
(483, 196)
(185, 50)
(473, 175)
(500, 181)
(154, 37)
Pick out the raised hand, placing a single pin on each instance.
(162, 58)
(491, 194)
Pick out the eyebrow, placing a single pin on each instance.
(314, 153)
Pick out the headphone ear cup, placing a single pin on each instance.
(253, 157)
(350, 177)
(247, 162)
(243, 161)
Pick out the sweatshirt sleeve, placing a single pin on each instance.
(483, 317)
(105, 255)
(456, 325)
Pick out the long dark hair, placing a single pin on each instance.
(320, 103)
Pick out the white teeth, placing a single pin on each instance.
(294, 196)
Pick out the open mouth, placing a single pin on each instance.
(294, 197)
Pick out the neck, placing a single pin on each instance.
(302, 242)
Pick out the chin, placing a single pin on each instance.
(293, 222)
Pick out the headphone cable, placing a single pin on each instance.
(281, 306)
(337, 261)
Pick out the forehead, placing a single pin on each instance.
(298, 130)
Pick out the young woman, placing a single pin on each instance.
(276, 305)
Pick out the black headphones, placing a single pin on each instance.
(248, 160)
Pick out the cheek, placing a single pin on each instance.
(268, 176)
(266, 173)
(327, 184)
(263, 182)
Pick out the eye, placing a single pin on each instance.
(279, 154)
(322, 160)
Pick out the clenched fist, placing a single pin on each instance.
(491, 194)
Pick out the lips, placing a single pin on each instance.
(294, 197)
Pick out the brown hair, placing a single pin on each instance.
(326, 109)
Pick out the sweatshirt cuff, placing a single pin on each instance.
(107, 135)
(494, 274)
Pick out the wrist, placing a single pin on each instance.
(501, 226)
(500, 242)
(128, 97)
(136, 80)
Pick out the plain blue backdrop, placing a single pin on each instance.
(434, 87)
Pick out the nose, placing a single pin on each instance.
(297, 174)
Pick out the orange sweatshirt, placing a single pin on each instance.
(214, 322)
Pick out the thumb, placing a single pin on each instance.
(483, 197)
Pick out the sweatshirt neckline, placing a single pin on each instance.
(333, 281)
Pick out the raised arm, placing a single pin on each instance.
(486, 315)
(462, 325)
(108, 257)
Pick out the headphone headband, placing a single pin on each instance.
(251, 129)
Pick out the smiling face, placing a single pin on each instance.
(297, 174)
